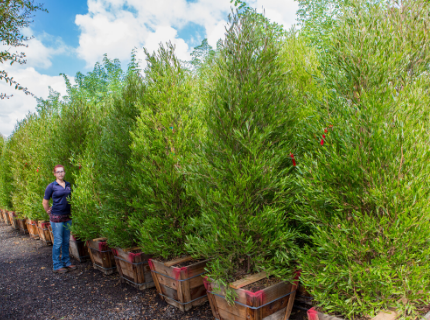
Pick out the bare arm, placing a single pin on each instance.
(46, 206)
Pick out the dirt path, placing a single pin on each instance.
(29, 289)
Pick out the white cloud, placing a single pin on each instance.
(115, 27)
(38, 55)
(279, 11)
(15, 108)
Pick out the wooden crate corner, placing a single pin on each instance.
(272, 303)
(180, 287)
(133, 267)
(101, 256)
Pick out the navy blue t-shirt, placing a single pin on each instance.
(59, 197)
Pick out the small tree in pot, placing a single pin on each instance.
(162, 144)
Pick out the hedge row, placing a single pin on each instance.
(269, 153)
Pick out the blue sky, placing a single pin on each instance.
(74, 35)
(60, 22)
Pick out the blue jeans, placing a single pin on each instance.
(61, 231)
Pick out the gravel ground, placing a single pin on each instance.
(30, 290)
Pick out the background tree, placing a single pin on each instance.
(14, 16)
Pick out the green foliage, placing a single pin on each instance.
(161, 147)
(318, 18)
(14, 16)
(98, 93)
(115, 172)
(242, 170)
(364, 193)
(5, 175)
(202, 54)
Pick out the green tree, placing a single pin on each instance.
(318, 18)
(14, 16)
(98, 92)
(115, 173)
(6, 175)
(364, 190)
(161, 146)
(201, 54)
(241, 171)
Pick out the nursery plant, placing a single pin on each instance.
(241, 172)
(115, 172)
(363, 190)
(6, 175)
(161, 146)
(98, 91)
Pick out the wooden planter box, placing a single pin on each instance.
(32, 229)
(272, 303)
(133, 267)
(22, 225)
(180, 287)
(101, 255)
(51, 233)
(5, 216)
(2, 216)
(43, 231)
(13, 220)
(78, 249)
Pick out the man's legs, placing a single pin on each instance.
(57, 231)
(65, 258)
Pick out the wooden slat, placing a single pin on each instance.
(290, 303)
(167, 282)
(169, 292)
(161, 268)
(197, 292)
(196, 282)
(196, 268)
(171, 263)
(279, 315)
(99, 239)
(248, 280)
(225, 315)
(174, 303)
(157, 284)
(275, 306)
(235, 309)
(214, 306)
(276, 291)
(185, 290)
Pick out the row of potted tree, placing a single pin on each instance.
(223, 177)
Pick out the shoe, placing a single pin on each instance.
(61, 270)
(72, 267)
